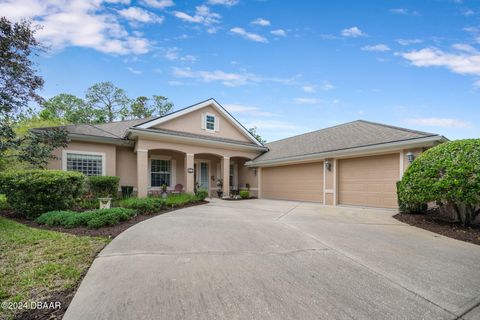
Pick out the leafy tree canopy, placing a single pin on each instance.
(18, 88)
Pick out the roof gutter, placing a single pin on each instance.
(90, 138)
(177, 138)
(364, 150)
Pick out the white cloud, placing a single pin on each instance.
(404, 11)
(261, 22)
(229, 79)
(440, 122)
(247, 110)
(248, 35)
(202, 15)
(307, 101)
(136, 14)
(464, 47)
(309, 89)
(82, 23)
(279, 32)
(406, 42)
(378, 48)
(134, 71)
(327, 86)
(353, 32)
(118, 1)
(159, 4)
(173, 54)
(459, 62)
(467, 12)
(227, 3)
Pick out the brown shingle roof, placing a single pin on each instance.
(345, 136)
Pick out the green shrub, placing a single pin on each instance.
(244, 194)
(406, 207)
(32, 192)
(201, 194)
(3, 202)
(180, 199)
(448, 173)
(144, 205)
(93, 219)
(103, 186)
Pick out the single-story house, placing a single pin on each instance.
(356, 163)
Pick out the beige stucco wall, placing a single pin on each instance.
(416, 152)
(247, 175)
(126, 166)
(108, 149)
(192, 122)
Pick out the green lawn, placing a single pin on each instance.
(36, 263)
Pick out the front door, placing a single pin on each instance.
(202, 175)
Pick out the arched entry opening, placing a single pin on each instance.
(208, 173)
(242, 177)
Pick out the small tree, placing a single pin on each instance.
(143, 107)
(109, 101)
(448, 173)
(257, 136)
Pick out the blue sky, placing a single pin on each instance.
(287, 67)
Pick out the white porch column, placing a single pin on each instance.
(142, 173)
(226, 176)
(189, 177)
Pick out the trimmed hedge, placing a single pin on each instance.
(33, 192)
(144, 205)
(93, 219)
(448, 173)
(244, 194)
(201, 194)
(181, 199)
(103, 186)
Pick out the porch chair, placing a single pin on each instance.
(178, 188)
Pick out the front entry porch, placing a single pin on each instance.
(184, 171)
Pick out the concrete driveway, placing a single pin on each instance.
(265, 259)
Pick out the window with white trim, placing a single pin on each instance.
(88, 164)
(160, 172)
(210, 122)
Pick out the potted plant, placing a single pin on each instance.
(164, 190)
(220, 188)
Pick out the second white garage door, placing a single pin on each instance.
(302, 182)
(369, 181)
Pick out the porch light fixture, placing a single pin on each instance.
(410, 157)
(328, 165)
(190, 170)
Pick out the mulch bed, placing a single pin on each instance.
(109, 232)
(432, 221)
(233, 199)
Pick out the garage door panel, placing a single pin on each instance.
(302, 182)
(369, 181)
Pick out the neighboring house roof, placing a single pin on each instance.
(346, 136)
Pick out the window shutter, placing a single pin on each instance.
(217, 124)
(202, 121)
